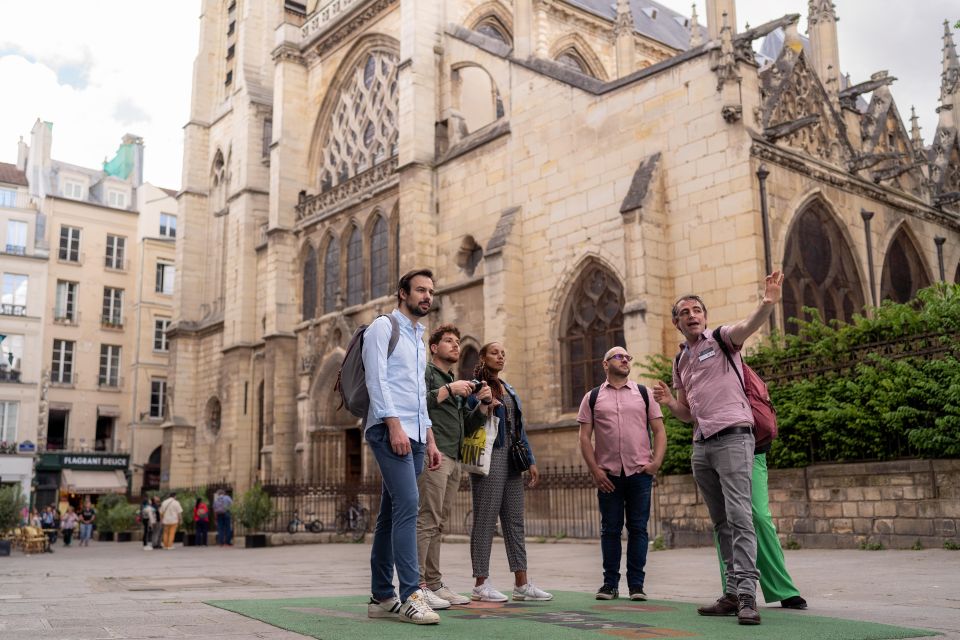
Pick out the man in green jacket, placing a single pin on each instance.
(451, 404)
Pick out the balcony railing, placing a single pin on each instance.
(107, 445)
(9, 375)
(19, 201)
(70, 257)
(326, 15)
(66, 379)
(15, 250)
(116, 265)
(111, 321)
(13, 309)
(109, 382)
(63, 317)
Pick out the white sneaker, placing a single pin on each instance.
(436, 602)
(450, 596)
(148, 548)
(530, 592)
(388, 608)
(486, 593)
(417, 611)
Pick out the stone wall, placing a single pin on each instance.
(834, 506)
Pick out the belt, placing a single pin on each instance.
(729, 431)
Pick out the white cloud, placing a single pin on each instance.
(98, 70)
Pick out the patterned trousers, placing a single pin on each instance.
(498, 494)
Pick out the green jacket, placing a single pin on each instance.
(452, 416)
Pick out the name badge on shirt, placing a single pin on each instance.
(709, 352)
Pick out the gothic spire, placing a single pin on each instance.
(915, 137)
(695, 37)
(950, 78)
(824, 48)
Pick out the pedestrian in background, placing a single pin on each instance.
(201, 521)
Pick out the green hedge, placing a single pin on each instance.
(878, 409)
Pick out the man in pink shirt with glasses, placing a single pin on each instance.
(628, 446)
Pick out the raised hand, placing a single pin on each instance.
(773, 287)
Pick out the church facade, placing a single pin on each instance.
(566, 168)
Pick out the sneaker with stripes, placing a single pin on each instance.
(417, 611)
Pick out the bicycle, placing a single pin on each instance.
(311, 524)
(354, 520)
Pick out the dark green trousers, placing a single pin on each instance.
(775, 582)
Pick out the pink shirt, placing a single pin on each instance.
(714, 394)
(621, 441)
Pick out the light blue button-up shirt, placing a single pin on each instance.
(396, 385)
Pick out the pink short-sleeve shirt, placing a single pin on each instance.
(714, 393)
(621, 440)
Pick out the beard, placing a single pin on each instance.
(414, 308)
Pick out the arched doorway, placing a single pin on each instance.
(151, 471)
(819, 270)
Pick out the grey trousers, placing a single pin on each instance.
(500, 494)
(723, 470)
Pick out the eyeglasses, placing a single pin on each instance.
(620, 356)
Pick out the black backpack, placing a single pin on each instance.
(351, 379)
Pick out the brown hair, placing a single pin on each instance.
(688, 296)
(485, 375)
(437, 335)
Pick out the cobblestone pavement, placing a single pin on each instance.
(117, 590)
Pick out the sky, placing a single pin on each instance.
(99, 69)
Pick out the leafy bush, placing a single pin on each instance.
(106, 503)
(188, 500)
(12, 503)
(118, 518)
(254, 508)
(880, 407)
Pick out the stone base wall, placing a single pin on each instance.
(836, 506)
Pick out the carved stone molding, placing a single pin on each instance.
(335, 29)
(360, 187)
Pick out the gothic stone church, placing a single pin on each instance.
(566, 167)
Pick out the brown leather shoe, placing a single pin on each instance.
(726, 605)
(747, 609)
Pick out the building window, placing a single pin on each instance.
(469, 359)
(592, 323)
(14, 299)
(65, 306)
(158, 398)
(331, 275)
(819, 270)
(573, 60)
(229, 79)
(112, 308)
(73, 189)
(364, 130)
(354, 268)
(8, 197)
(903, 270)
(16, 237)
(117, 199)
(160, 341)
(109, 365)
(493, 28)
(116, 246)
(168, 225)
(11, 353)
(267, 138)
(69, 244)
(166, 274)
(379, 271)
(61, 371)
(9, 411)
(309, 286)
(213, 416)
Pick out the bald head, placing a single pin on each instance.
(613, 351)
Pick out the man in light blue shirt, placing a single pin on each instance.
(398, 431)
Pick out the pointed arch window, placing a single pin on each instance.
(469, 359)
(309, 292)
(331, 275)
(591, 324)
(492, 27)
(379, 260)
(363, 132)
(820, 270)
(354, 268)
(903, 270)
(570, 58)
(956, 276)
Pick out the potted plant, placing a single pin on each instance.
(122, 518)
(12, 503)
(103, 524)
(188, 500)
(253, 510)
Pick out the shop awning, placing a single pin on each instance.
(108, 410)
(77, 481)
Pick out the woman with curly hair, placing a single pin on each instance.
(500, 493)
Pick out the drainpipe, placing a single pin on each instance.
(939, 240)
(762, 174)
(867, 217)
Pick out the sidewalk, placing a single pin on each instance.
(117, 590)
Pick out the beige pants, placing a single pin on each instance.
(437, 492)
(169, 531)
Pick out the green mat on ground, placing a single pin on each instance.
(568, 616)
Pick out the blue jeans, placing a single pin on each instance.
(86, 532)
(630, 496)
(224, 529)
(395, 536)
